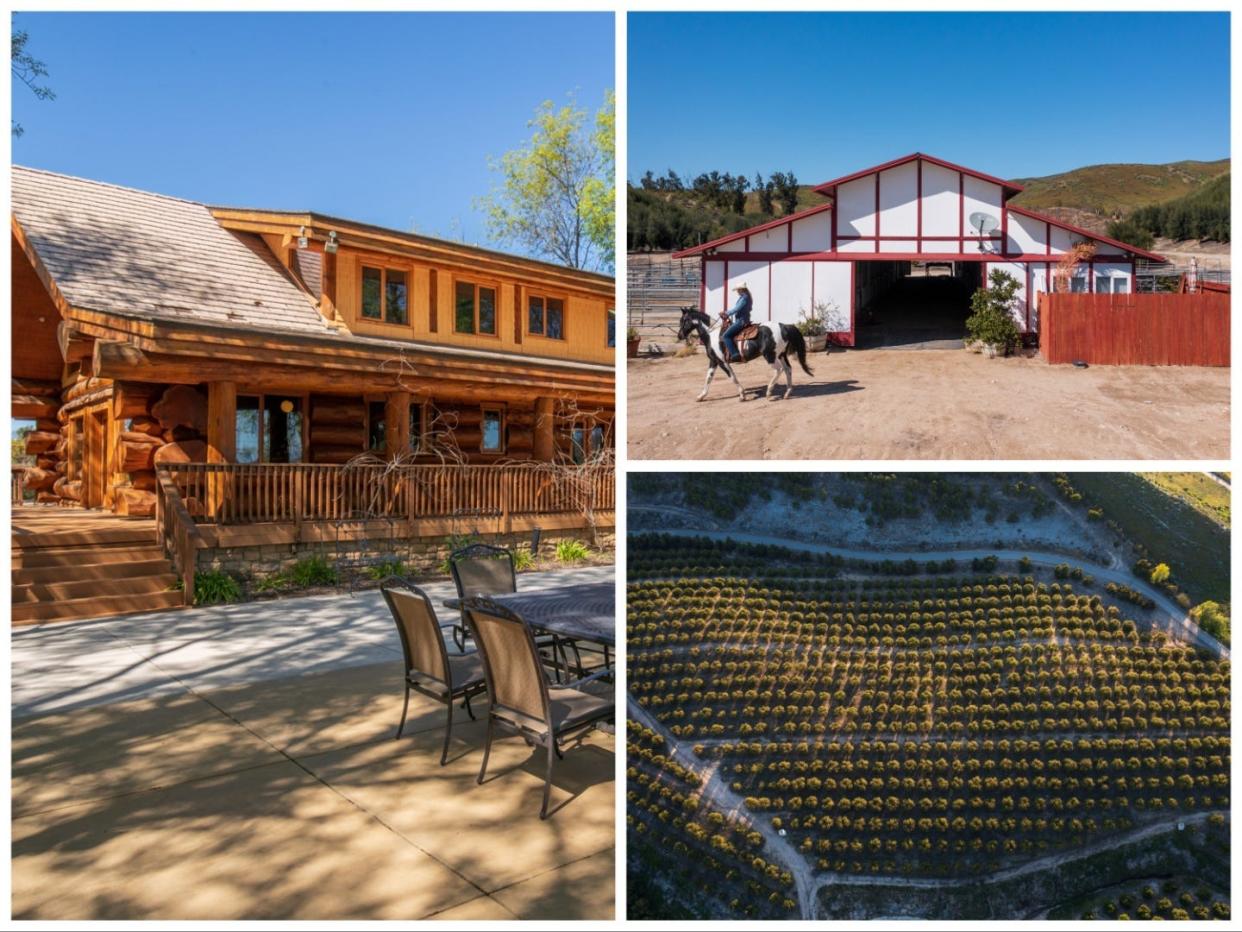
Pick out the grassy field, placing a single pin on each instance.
(1196, 489)
(1194, 546)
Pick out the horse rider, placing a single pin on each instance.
(739, 314)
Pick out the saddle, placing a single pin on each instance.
(749, 332)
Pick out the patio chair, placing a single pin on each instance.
(482, 569)
(429, 669)
(522, 700)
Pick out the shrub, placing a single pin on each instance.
(522, 559)
(273, 583)
(387, 568)
(313, 571)
(991, 320)
(571, 551)
(215, 587)
(812, 323)
(1213, 619)
(455, 542)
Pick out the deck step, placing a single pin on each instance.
(57, 574)
(30, 613)
(92, 537)
(69, 557)
(84, 588)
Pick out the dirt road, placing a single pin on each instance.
(930, 404)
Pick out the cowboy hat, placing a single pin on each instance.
(741, 287)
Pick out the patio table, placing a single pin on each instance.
(583, 611)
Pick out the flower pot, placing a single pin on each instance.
(631, 347)
(816, 343)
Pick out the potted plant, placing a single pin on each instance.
(632, 340)
(811, 324)
(991, 323)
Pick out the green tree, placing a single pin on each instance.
(556, 194)
(27, 69)
(1160, 573)
(991, 320)
(19, 455)
(1130, 232)
(1212, 618)
(765, 194)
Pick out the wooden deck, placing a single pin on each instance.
(56, 526)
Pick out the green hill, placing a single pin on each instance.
(1115, 189)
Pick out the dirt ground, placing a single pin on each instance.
(930, 404)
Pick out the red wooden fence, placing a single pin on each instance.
(1162, 329)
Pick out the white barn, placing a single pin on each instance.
(847, 251)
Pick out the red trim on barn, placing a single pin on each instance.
(930, 239)
(1087, 233)
(745, 234)
(1007, 185)
(918, 200)
(961, 207)
(839, 256)
(877, 205)
(703, 282)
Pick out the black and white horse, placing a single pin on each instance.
(774, 343)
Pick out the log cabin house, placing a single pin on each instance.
(222, 370)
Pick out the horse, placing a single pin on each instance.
(773, 342)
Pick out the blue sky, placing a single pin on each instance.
(383, 118)
(1010, 94)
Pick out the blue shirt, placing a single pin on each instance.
(741, 310)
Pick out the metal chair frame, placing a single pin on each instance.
(555, 645)
(451, 692)
(548, 738)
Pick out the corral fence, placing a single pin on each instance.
(1166, 276)
(656, 288)
(1162, 329)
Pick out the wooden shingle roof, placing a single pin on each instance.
(118, 250)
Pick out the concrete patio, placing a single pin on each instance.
(238, 762)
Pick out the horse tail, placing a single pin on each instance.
(793, 337)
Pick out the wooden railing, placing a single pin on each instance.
(232, 494)
(177, 532)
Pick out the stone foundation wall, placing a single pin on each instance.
(422, 556)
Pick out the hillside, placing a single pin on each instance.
(1115, 189)
(1089, 197)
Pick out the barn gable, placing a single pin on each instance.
(834, 258)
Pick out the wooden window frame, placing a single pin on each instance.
(264, 452)
(476, 284)
(422, 426)
(544, 296)
(610, 313)
(494, 409)
(590, 453)
(384, 268)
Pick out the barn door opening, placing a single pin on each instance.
(914, 305)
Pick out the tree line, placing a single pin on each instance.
(1202, 214)
(670, 212)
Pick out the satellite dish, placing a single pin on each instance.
(985, 224)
